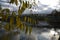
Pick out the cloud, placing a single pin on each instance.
(42, 6)
(49, 2)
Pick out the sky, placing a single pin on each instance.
(41, 6)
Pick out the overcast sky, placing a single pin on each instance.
(42, 6)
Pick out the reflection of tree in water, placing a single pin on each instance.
(42, 38)
(27, 37)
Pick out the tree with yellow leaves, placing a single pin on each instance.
(14, 1)
(11, 1)
(12, 20)
(18, 21)
(24, 6)
(7, 28)
(25, 18)
(7, 14)
(22, 27)
(20, 11)
(26, 30)
(30, 30)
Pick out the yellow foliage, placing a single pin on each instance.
(7, 10)
(24, 6)
(18, 22)
(19, 11)
(16, 2)
(22, 27)
(13, 13)
(25, 18)
(11, 1)
(26, 31)
(7, 27)
(11, 21)
(28, 19)
(7, 13)
(30, 30)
